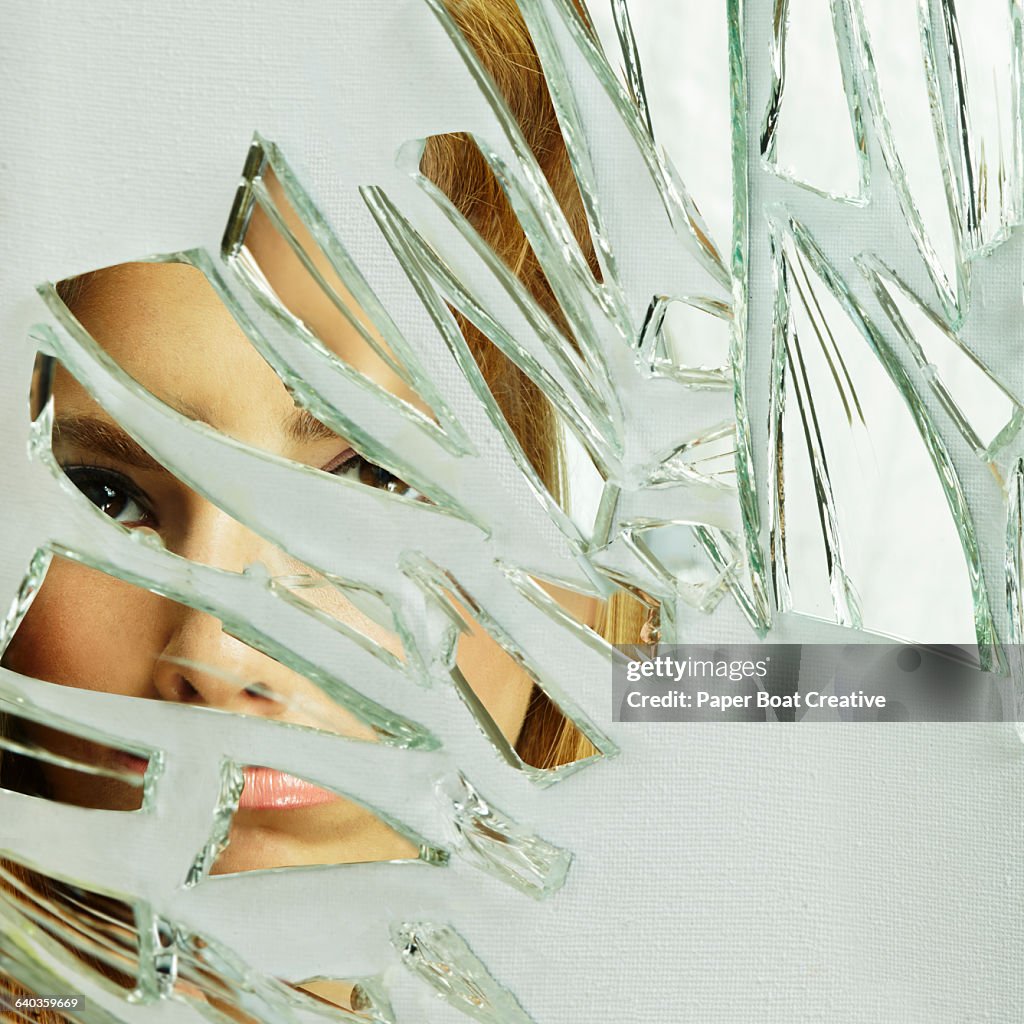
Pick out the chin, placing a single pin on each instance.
(263, 840)
(253, 848)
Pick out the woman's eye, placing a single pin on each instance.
(355, 467)
(113, 494)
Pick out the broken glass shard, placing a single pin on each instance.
(267, 818)
(37, 759)
(849, 440)
(442, 958)
(688, 342)
(812, 129)
(983, 411)
(500, 846)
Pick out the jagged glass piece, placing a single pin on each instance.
(704, 564)
(300, 273)
(1015, 553)
(708, 459)
(896, 49)
(258, 797)
(693, 134)
(85, 931)
(500, 846)
(799, 316)
(442, 958)
(23, 598)
(837, 406)
(974, 66)
(32, 755)
(987, 416)
(698, 337)
(811, 130)
(363, 1001)
(631, 59)
(232, 783)
(224, 679)
(158, 955)
(687, 342)
(497, 662)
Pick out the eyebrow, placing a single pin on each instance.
(300, 426)
(107, 438)
(103, 437)
(303, 426)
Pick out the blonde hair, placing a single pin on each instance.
(496, 31)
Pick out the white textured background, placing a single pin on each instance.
(725, 874)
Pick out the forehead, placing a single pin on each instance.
(165, 326)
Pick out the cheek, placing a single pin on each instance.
(339, 607)
(87, 629)
(502, 686)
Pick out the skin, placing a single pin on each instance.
(165, 651)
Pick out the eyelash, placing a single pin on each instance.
(89, 479)
(370, 474)
(116, 485)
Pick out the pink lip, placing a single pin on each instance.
(267, 788)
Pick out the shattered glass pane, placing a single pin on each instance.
(687, 110)
(898, 59)
(502, 354)
(987, 416)
(976, 68)
(153, 500)
(811, 129)
(838, 407)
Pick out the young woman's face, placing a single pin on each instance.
(165, 326)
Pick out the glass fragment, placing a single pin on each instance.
(439, 955)
(812, 131)
(498, 845)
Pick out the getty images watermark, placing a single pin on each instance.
(794, 682)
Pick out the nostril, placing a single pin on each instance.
(262, 692)
(201, 682)
(186, 691)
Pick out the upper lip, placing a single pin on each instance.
(264, 788)
(267, 788)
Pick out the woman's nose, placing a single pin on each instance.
(201, 664)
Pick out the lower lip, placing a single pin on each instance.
(267, 788)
